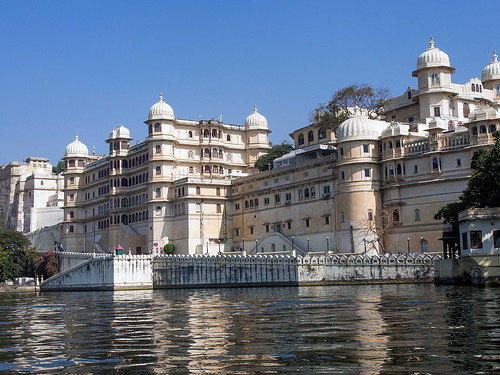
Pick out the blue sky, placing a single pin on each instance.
(71, 67)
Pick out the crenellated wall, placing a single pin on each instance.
(108, 272)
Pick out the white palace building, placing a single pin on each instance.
(193, 183)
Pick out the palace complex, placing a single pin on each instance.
(193, 183)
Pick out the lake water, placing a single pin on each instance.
(356, 329)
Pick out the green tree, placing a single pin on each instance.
(337, 110)
(483, 188)
(168, 249)
(59, 168)
(265, 162)
(13, 247)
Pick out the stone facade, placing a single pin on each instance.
(31, 195)
(373, 187)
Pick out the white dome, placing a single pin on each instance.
(432, 57)
(360, 127)
(255, 120)
(492, 71)
(483, 112)
(122, 132)
(40, 171)
(112, 135)
(161, 110)
(76, 148)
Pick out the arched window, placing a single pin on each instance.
(492, 128)
(370, 215)
(301, 194)
(191, 170)
(71, 229)
(389, 145)
(158, 192)
(247, 204)
(81, 164)
(417, 215)
(150, 129)
(477, 88)
(435, 164)
(72, 197)
(219, 208)
(395, 215)
(214, 133)
(124, 145)
(215, 169)
(313, 192)
(207, 169)
(451, 125)
(466, 110)
(399, 170)
(71, 180)
(310, 136)
(206, 133)
(342, 218)
(473, 87)
(256, 202)
(207, 153)
(306, 193)
(190, 134)
(157, 127)
(221, 155)
(474, 131)
(424, 246)
(391, 170)
(409, 94)
(215, 153)
(228, 138)
(198, 190)
(322, 133)
(301, 139)
(435, 79)
(482, 130)
(71, 163)
(158, 149)
(158, 170)
(71, 214)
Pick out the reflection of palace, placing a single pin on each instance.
(192, 183)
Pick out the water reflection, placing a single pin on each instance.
(372, 329)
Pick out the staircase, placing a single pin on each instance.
(280, 238)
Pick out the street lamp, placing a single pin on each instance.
(243, 240)
(364, 240)
(308, 244)
(327, 244)
(292, 242)
(408, 245)
(256, 244)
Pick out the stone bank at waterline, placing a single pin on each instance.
(108, 272)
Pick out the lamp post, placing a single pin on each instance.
(364, 240)
(408, 245)
(292, 242)
(308, 245)
(243, 240)
(327, 245)
(256, 244)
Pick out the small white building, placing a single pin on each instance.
(479, 231)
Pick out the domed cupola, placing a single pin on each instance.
(161, 111)
(255, 121)
(395, 129)
(112, 135)
(432, 57)
(76, 148)
(492, 71)
(359, 127)
(122, 132)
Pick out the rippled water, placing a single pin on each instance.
(361, 329)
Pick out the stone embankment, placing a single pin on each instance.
(188, 271)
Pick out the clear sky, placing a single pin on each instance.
(85, 67)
